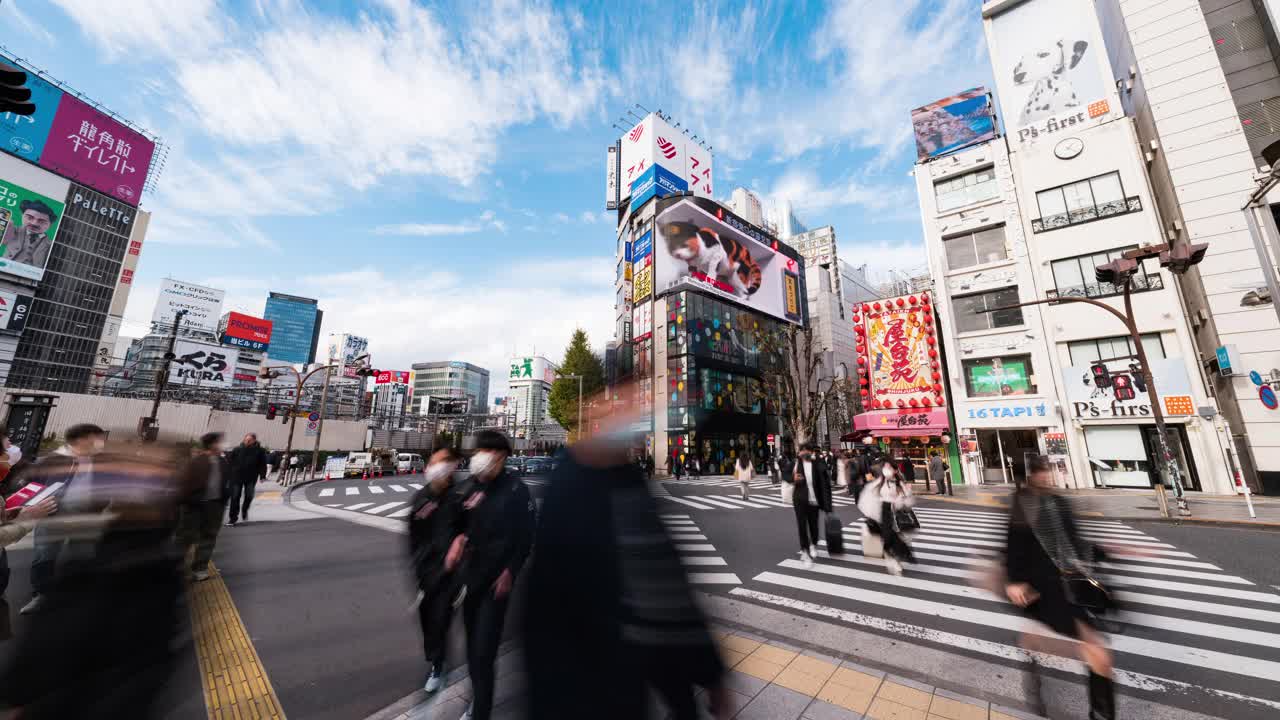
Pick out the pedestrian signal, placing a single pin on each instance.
(271, 412)
(1101, 375)
(1124, 387)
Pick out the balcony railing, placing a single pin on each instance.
(1141, 283)
(1081, 216)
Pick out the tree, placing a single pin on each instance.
(792, 383)
(578, 360)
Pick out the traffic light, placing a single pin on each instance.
(1123, 385)
(15, 97)
(1117, 272)
(1101, 375)
(271, 412)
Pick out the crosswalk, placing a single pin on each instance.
(770, 499)
(370, 489)
(1187, 619)
(723, 481)
(696, 553)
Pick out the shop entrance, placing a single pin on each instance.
(1125, 455)
(1004, 454)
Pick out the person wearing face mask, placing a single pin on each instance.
(879, 503)
(498, 521)
(71, 465)
(811, 493)
(435, 519)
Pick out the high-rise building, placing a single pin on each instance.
(450, 379)
(295, 328)
(781, 218)
(528, 400)
(747, 206)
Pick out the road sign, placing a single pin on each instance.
(313, 428)
(313, 416)
(1255, 377)
(1268, 397)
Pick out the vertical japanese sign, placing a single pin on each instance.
(642, 268)
(897, 353)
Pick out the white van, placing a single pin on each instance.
(409, 463)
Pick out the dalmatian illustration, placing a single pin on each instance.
(1045, 69)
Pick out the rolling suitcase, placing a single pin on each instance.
(872, 544)
(835, 535)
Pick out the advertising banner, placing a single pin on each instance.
(953, 123)
(24, 135)
(897, 356)
(385, 377)
(642, 268)
(611, 178)
(245, 331)
(653, 142)
(202, 364)
(1050, 68)
(30, 223)
(657, 181)
(532, 368)
(697, 248)
(344, 349)
(203, 305)
(1087, 401)
(642, 321)
(107, 344)
(14, 309)
(130, 263)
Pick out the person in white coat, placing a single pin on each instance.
(879, 502)
(743, 472)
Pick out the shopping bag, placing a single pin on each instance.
(788, 490)
(835, 535)
(872, 544)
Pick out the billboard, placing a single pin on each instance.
(642, 321)
(69, 137)
(611, 178)
(384, 377)
(202, 364)
(652, 142)
(953, 123)
(344, 349)
(897, 353)
(532, 368)
(1087, 401)
(29, 219)
(1050, 68)
(14, 309)
(699, 246)
(245, 331)
(203, 305)
(642, 268)
(657, 181)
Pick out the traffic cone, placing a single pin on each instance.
(366, 474)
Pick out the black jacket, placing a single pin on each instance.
(248, 463)
(821, 482)
(195, 478)
(499, 520)
(433, 524)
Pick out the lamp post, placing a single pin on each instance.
(579, 379)
(1120, 272)
(273, 373)
(147, 429)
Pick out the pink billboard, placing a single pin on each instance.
(95, 150)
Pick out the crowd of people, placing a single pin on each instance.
(609, 614)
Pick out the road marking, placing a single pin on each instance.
(673, 516)
(353, 491)
(376, 489)
(701, 578)
(1195, 657)
(327, 492)
(234, 679)
(695, 547)
(383, 508)
(985, 647)
(399, 488)
(745, 503)
(687, 536)
(716, 501)
(683, 501)
(358, 506)
(416, 486)
(702, 560)
(401, 512)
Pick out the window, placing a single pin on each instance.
(978, 248)
(1081, 202)
(1074, 277)
(994, 377)
(966, 189)
(971, 311)
(1083, 352)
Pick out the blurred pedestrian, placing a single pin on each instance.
(248, 465)
(938, 472)
(1048, 573)
(906, 469)
(294, 461)
(743, 472)
(677, 467)
(844, 470)
(69, 471)
(610, 610)
(881, 503)
(499, 521)
(435, 520)
(15, 523)
(811, 493)
(205, 481)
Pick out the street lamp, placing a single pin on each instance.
(267, 373)
(147, 429)
(1119, 272)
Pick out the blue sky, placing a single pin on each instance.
(433, 172)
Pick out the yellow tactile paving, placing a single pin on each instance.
(882, 709)
(805, 675)
(904, 695)
(955, 710)
(235, 685)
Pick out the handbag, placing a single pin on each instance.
(906, 520)
(788, 491)
(1083, 590)
(835, 535)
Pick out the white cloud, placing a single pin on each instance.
(810, 194)
(29, 26)
(883, 259)
(149, 27)
(426, 229)
(560, 217)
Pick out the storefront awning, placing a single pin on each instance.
(903, 423)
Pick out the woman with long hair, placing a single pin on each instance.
(1046, 573)
(742, 471)
(880, 502)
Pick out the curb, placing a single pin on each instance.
(419, 697)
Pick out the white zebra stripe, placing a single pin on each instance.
(383, 508)
(376, 489)
(327, 492)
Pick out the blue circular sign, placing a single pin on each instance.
(1256, 377)
(1268, 397)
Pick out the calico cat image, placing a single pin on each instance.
(722, 258)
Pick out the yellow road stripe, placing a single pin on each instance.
(236, 686)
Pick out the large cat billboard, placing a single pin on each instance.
(700, 246)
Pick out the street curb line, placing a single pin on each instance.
(419, 697)
(234, 679)
(373, 521)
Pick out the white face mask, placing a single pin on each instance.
(438, 470)
(484, 463)
(887, 471)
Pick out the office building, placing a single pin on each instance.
(746, 205)
(781, 219)
(528, 400)
(295, 328)
(452, 379)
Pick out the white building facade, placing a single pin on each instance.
(528, 401)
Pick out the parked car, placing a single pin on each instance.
(538, 465)
(515, 466)
(409, 463)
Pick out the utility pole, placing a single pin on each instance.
(147, 429)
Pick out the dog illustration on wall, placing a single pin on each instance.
(1045, 69)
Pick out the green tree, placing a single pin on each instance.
(578, 360)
